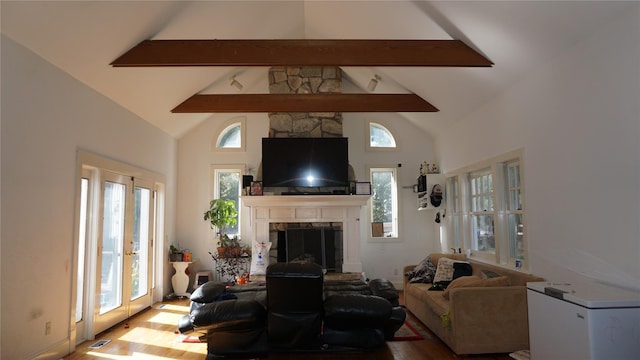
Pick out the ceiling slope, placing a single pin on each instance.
(82, 38)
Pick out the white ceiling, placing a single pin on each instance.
(83, 37)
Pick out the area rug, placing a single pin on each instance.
(191, 339)
(186, 339)
(407, 332)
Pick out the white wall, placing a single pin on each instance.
(46, 117)
(379, 259)
(578, 120)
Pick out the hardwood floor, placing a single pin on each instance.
(151, 335)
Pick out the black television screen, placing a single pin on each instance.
(305, 162)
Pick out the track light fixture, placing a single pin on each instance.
(235, 83)
(373, 82)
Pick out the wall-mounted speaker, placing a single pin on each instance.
(246, 180)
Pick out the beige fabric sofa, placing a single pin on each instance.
(474, 320)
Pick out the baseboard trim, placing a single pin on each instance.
(56, 351)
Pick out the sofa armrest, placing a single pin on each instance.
(405, 270)
(487, 315)
(228, 315)
(385, 289)
(208, 292)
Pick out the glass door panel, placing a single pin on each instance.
(112, 246)
(140, 253)
(110, 307)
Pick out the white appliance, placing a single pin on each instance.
(583, 321)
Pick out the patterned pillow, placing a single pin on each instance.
(423, 272)
(446, 269)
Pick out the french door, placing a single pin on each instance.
(124, 250)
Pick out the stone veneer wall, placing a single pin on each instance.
(305, 80)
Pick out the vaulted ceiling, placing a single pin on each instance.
(84, 37)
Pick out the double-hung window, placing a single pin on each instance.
(482, 211)
(454, 212)
(384, 200)
(226, 182)
(514, 211)
(486, 210)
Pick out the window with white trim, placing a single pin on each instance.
(514, 210)
(227, 184)
(454, 212)
(486, 210)
(481, 214)
(231, 137)
(380, 137)
(384, 200)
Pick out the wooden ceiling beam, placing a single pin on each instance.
(252, 103)
(301, 53)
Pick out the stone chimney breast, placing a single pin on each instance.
(305, 80)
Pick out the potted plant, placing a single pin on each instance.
(221, 214)
(175, 254)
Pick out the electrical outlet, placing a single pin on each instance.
(47, 328)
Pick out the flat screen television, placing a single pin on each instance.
(305, 162)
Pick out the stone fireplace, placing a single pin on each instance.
(271, 214)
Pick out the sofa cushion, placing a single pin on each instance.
(475, 281)
(433, 300)
(343, 311)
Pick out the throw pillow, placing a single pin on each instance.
(460, 282)
(461, 268)
(475, 281)
(445, 270)
(422, 273)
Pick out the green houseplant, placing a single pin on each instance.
(221, 214)
(175, 254)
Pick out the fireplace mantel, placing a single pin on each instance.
(305, 200)
(311, 208)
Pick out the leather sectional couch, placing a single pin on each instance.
(295, 311)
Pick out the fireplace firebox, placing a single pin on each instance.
(321, 245)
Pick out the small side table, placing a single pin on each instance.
(180, 280)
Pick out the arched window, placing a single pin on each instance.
(380, 137)
(231, 137)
